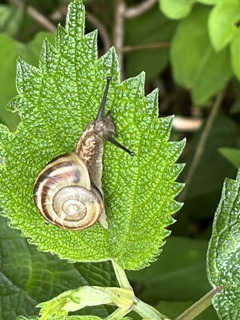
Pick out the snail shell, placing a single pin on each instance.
(63, 194)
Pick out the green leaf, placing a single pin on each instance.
(176, 9)
(235, 53)
(28, 276)
(56, 102)
(11, 19)
(9, 51)
(223, 21)
(232, 155)
(223, 263)
(196, 66)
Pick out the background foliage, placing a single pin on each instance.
(191, 64)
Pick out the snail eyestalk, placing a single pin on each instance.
(104, 100)
(109, 125)
(119, 145)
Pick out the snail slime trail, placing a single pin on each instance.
(68, 191)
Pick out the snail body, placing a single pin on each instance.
(68, 191)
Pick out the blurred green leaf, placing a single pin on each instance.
(206, 184)
(232, 155)
(210, 2)
(151, 27)
(173, 276)
(28, 277)
(223, 21)
(223, 258)
(196, 66)
(235, 54)
(9, 51)
(212, 168)
(176, 9)
(10, 19)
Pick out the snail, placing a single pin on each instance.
(68, 191)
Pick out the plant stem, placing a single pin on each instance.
(118, 31)
(140, 9)
(121, 276)
(117, 314)
(147, 311)
(147, 46)
(199, 306)
(202, 143)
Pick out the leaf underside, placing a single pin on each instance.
(224, 252)
(56, 101)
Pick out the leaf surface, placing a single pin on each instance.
(56, 101)
(223, 258)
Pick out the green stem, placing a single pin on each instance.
(199, 306)
(147, 311)
(121, 276)
(118, 314)
(143, 309)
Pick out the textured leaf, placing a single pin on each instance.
(197, 66)
(56, 101)
(223, 23)
(223, 256)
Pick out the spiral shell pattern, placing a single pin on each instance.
(64, 196)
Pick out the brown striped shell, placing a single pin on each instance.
(64, 195)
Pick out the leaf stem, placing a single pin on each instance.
(117, 314)
(146, 311)
(199, 306)
(121, 276)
